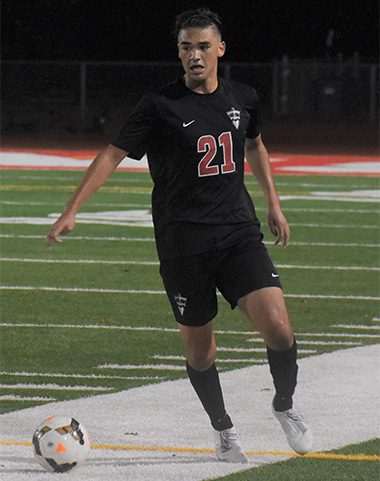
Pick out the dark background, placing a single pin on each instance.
(255, 31)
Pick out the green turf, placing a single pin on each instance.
(48, 350)
(318, 469)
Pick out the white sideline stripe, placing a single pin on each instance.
(316, 343)
(157, 367)
(174, 330)
(55, 387)
(225, 361)
(259, 349)
(156, 263)
(12, 397)
(151, 239)
(160, 292)
(356, 326)
(79, 376)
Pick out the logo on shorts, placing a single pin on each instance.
(181, 303)
(234, 115)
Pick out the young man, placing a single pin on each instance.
(196, 133)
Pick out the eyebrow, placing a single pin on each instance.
(199, 43)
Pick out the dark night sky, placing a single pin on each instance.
(141, 30)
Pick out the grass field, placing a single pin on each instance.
(91, 316)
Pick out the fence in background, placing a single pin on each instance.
(90, 95)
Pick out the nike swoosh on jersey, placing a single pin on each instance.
(275, 275)
(186, 124)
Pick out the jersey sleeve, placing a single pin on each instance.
(253, 108)
(135, 134)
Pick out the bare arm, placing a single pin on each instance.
(258, 158)
(98, 172)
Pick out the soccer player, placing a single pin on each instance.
(196, 133)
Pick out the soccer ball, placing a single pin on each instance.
(60, 444)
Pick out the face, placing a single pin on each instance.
(199, 50)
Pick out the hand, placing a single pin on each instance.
(62, 226)
(279, 226)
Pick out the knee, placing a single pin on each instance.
(201, 361)
(280, 340)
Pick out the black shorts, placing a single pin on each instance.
(191, 282)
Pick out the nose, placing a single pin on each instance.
(194, 54)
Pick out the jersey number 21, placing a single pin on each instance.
(209, 145)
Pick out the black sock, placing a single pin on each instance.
(207, 386)
(283, 367)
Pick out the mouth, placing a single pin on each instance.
(197, 69)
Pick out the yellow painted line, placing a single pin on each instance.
(174, 449)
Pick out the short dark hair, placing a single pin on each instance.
(197, 18)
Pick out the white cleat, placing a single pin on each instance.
(299, 436)
(228, 448)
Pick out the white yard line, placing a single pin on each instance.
(151, 239)
(144, 206)
(356, 326)
(161, 292)
(156, 263)
(258, 349)
(316, 343)
(80, 238)
(78, 376)
(334, 226)
(340, 406)
(12, 397)
(219, 360)
(174, 330)
(54, 387)
(48, 220)
(156, 367)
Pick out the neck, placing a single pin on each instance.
(206, 86)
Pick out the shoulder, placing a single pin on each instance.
(244, 93)
(156, 98)
(171, 91)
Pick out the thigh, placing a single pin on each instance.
(244, 268)
(267, 311)
(190, 286)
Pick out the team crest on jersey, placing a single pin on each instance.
(181, 302)
(234, 115)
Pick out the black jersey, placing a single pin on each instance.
(195, 149)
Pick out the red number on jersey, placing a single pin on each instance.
(207, 143)
(225, 141)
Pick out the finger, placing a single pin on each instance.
(286, 236)
(50, 238)
(273, 228)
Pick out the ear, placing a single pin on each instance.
(221, 49)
